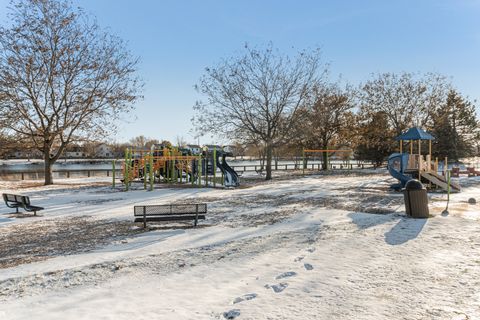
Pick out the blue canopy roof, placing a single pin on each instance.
(415, 133)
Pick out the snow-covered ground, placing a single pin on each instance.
(315, 247)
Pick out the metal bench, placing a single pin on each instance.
(169, 212)
(17, 201)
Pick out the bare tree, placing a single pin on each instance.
(180, 141)
(62, 78)
(327, 120)
(406, 99)
(7, 145)
(138, 141)
(257, 96)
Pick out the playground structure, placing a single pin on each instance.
(177, 165)
(325, 155)
(406, 166)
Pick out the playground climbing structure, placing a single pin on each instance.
(405, 166)
(177, 165)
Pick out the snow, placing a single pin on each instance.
(314, 247)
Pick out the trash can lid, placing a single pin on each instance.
(414, 185)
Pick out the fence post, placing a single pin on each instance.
(199, 171)
(214, 167)
(113, 173)
(303, 161)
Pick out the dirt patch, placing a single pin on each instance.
(40, 240)
(358, 202)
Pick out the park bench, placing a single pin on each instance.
(169, 212)
(471, 172)
(18, 201)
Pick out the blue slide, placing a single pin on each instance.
(397, 165)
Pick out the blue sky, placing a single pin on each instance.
(176, 40)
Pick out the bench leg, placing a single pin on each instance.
(34, 213)
(144, 217)
(16, 209)
(196, 220)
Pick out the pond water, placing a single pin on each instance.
(37, 166)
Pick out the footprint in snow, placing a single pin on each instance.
(286, 275)
(245, 297)
(232, 314)
(311, 250)
(277, 288)
(298, 259)
(308, 266)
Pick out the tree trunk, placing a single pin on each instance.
(48, 169)
(269, 151)
(324, 160)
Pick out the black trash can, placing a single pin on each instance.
(416, 199)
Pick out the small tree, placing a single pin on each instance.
(257, 96)
(61, 77)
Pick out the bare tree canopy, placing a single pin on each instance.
(328, 119)
(256, 97)
(406, 99)
(62, 78)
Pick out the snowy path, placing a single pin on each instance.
(317, 263)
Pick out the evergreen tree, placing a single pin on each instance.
(455, 127)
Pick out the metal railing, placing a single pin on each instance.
(82, 173)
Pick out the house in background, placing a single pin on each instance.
(25, 154)
(75, 152)
(103, 150)
(194, 149)
(211, 147)
(230, 149)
